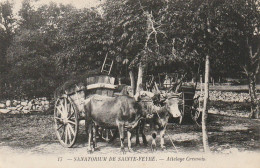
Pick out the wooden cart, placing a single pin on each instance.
(189, 105)
(69, 108)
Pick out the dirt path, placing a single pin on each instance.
(33, 134)
(30, 141)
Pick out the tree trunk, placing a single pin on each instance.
(139, 82)
(255, 107)
(251, 70)
(131, 74)
(205, 109)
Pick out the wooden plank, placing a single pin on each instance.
(110, 93)
(112, 80)
(104, 92)
(91, 80)
(99, 91)
(101, 79)
(101, 85)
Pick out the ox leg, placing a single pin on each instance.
(140, 129)
(137, 142)
(142, 132)
(162, 133)
(94, 136)
(153, 123)
(153, 145)
(89, 136)
(180, 120)
(129, 141)
(122, 136)
(144, 139)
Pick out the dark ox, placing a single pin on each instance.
(112, 112)
(158, 110)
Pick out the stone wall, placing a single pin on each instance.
(24, 106)
(228, 96)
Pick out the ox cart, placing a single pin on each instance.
(189, 105)
(69, 107)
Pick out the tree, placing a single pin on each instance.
(7, 23)
(249, 13)
(137, 32)
(241, 22)
(30, 53)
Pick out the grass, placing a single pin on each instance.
(26, 130)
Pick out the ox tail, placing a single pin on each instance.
(134, 124)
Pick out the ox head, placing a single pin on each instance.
(171, 102)
(168, 100)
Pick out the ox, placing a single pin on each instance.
(120, 111)
(158, 110)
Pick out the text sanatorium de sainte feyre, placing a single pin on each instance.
(131, 159)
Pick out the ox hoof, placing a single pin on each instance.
(90, 150)
(163, 148)
(123, 150)
(153, 147)
(137, 144)
(130, 150)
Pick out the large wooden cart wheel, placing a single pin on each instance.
(107, 134)
(66, 121)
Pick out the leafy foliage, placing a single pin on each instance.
(50, 44)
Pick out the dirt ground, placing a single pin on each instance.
(34, 134)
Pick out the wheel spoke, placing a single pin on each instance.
(111, 132)
(71, 115)
(58, 108)
(66, 106)
(57, 118)
(63, 112)
(71, 122)
(66, 135)
(71, 129)
(60, 127)
(69, 134)
(69, 107)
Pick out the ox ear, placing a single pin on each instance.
(163, 97)
(156, 99)
(163, 100)
(159, 99)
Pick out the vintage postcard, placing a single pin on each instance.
(129, 83)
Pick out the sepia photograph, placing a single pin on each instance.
(129, 83)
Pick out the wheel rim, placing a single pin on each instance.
(106, 134)
(196, 116)
(66, 121)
